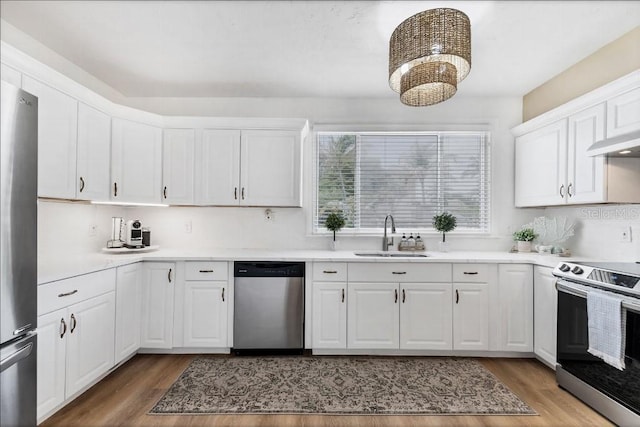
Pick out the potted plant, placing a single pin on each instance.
(334, 222)
(524, 238)
(444, 223)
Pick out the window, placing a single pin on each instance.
(412, 176)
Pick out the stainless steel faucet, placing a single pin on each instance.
(388, 241)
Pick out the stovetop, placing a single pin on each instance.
(617, 277)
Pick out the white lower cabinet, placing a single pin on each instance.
(329, 315)
(426, 316)
(515, 290)
(75, 337)
(471, 316)
(156, 325)
(128, 304)
(373, 316)
(205, 313)
(545, 303)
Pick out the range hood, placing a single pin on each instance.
(627, 145)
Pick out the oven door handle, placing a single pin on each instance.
(568, 288)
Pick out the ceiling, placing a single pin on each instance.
(307, 48)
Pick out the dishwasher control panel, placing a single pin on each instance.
(268, 269)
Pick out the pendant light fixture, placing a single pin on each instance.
(429, 54)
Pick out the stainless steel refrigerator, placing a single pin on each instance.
(18, 222)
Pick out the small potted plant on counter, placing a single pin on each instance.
(334, 222)
(444, 223)
(524, 238)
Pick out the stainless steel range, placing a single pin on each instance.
(613, 392)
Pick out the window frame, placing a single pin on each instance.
(404, 130)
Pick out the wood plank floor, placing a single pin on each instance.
(127, 394)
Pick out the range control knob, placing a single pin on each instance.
(577, 270)
(564, 267)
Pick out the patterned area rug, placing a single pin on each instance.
(338, 385)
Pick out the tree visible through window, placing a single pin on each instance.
(412, 176)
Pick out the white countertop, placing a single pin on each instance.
(52, 270)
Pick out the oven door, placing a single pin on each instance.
(573, 342)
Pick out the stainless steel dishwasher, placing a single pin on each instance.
(268, 306)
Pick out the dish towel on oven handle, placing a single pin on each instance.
(607, 325)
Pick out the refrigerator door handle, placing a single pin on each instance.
(14, 358)
(19, 331)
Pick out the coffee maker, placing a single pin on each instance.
(133, 234)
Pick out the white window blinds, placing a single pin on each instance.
(412, 176)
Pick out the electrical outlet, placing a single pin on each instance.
(187, 226)
(93, 230)
(624, 234)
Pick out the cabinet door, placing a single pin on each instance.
(329, 315)
(623, 114)
(373, 315)
(177, 166)
(545, 314)
(515, 289)
(270, 168)
(128, 305)
(156, 326)
(425, 316)
(541, 166)
(471, 316)
(585, 182)
(90, 342)
(53, 329)
(94, 151)
(218, 168)
(205, 314)
(57, 140)
(136, 162)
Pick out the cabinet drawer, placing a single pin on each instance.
(206, 270)
(330, 271)
(63, 293)
(472, 273)
(399, 272)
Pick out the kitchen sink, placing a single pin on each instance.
(391, 254)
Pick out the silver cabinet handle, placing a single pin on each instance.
(115, 189)
(562, 191)
(457, 296)
(222, 294)
(73, 323)
(12, 359)
(66, 294)
(63, 325)
(396, 300)
(206, 271)
(471, 272)
(569, 189)
(403, 296)
(329, 271)
(169, 275)
(399, 272)
(343, 295)
(164, 192)
(81, 184)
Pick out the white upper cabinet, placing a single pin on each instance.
(270, 168)
(94, 151)
(248, 168)
(623, 113)
(57, 140)
(11, 75)
(541, 166)
(218, 168)
(136, 162)
(585, 180)
(177, 166)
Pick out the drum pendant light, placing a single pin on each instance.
(429, 53)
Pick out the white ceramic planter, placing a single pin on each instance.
(524, 246)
